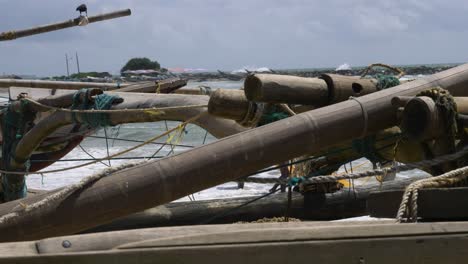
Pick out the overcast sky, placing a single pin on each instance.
(231, 34)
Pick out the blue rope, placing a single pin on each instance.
(272, 114)
(386, 81)
(13, 191)
(14, 125)
(366, 146)
(101, 102)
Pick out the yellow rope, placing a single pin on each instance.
(179, 131)
(158, 88)
(113, 155)
(179, 138)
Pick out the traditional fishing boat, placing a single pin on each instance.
(310, 125)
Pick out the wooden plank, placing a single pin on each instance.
(109, 240)
(433, 204)
(289, 243)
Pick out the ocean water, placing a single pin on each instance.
(97, 146)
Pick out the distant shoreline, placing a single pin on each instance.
(412, 70)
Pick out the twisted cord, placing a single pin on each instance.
(409, 202)
(395, 69)
(23, 209)
(350, 176)
(94, 111)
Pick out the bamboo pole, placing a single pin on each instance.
(341, 87)
(10, 35)
(66, 100)
(461, 102)
(228, 103)
(272, 88)
(336, 205)
(328, 89)
(196, 91)
(40, 84)
(422, 120)
(155, 183)
(163, 86)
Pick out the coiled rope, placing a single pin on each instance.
(409, 202)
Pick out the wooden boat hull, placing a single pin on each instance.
(306, 242)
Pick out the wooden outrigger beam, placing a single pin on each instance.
(163, 86)
(159, 182)
(5, 83)
(10, 35)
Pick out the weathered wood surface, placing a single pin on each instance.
(198, 91)
(218, 127)
(433, 204)
(159, 182)
(229, 103)
(342, 87)
(40, 84)
(328, 89)
(461, 102)
(164, 86)
(367, 242)
(66, 100)
(272, 88)
(109, 240)
(10, 35)
(343, 204)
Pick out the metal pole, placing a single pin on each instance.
(66, 62)
(77, 62)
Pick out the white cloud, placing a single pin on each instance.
(370, 21)
(227, 34)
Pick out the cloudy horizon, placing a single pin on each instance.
(228, 35)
